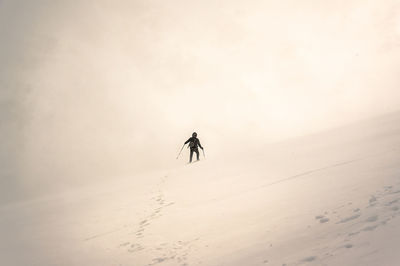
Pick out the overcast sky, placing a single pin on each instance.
(98, 89)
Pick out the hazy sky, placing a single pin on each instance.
(98, 89)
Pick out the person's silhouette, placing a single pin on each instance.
(194, 143)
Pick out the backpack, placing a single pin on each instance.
(191, 143)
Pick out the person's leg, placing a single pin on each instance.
(191, 155)
(197, 153)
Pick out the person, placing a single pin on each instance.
(194, 143)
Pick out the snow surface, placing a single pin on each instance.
(328, 199)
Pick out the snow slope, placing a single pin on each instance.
(328, 199)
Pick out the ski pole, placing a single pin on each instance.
(204, 154)
(180, 151)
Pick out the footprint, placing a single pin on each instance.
(135, 247)
(370, 228)
(354, 233)
(159, 260)
(309, 259)
(372, 219)
(392, 202)
(372, 199)
(324, 220)
(347, 219)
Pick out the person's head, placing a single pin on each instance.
(194, 134)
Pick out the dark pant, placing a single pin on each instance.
(196, 150)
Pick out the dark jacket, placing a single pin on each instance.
(195, 141)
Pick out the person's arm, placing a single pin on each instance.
(186, 142)
(200, 144)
